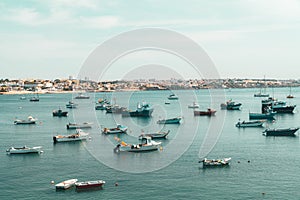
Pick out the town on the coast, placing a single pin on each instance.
(23, 86)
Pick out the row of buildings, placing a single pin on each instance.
(69, 85)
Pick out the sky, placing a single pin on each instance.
(244, 38)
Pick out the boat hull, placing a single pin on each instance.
(169, 121)
(78, 126)
(286, 109)
(249, 124)
(203, 113)
(32, 150)
(89, 184)
(60, 114)
(281, 132)
(143, 113)
(269, 116)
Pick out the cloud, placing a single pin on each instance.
(100, 22)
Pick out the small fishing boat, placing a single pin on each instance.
(89, 184)
(34, 99)
(71, 105)
(78, 136)
(175, 120)
(194, 105)
(167, 102)
(231, 105)
(244, 124)
(215, 162)
(115, 109)
(276, 106)
(29, 120)
(143, 110)
(22, 98)
(119, 129)
(209, 112)
(24, 150)
(79, 126)
(172, 97)
(147, 144)
(158, 135)
(59, 113)
(66, 184)
(281, 132)
(82, 96)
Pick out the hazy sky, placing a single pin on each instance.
(244, 38)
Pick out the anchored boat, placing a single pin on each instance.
(281, 132)
(23, 150)
(175, 120)
(147, 144)
(119, 129)
(78, 136)
(215, 162)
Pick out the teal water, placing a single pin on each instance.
(271, 174)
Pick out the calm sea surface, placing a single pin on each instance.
(273, 171)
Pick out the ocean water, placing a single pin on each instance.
(173, 172)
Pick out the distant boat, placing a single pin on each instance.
(143, 110)
(209, 112)
(262, 93)
(22, 98)
(78, 136)
(147, 144)
(59, 113)
(79, 126)
(23, 150)
(269, 115)
(34, 99)
(276, 106)
(158, 135)
(231, 105)
(281, 132)
(290, 96)
(172, 97)
(167, 102)
(66, 184)
(116, 109)
(89, 184)
(175, 120)
(71, 105)
(194, 105)
(82, 96)
(215, 162)
(29, 120)
(244, 124)
(119, 129)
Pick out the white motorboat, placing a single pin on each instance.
(78, 136)
(82, 96)
(24, 150)
(66, 184)
(71, 105)
(147, 144)
(29, 120)
(216, 162)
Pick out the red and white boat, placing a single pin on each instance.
(89, 184)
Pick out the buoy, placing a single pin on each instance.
(248, 161)
(52, 182)
(160, 148)
(116, 184)
(263, 193)
(239, 162)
